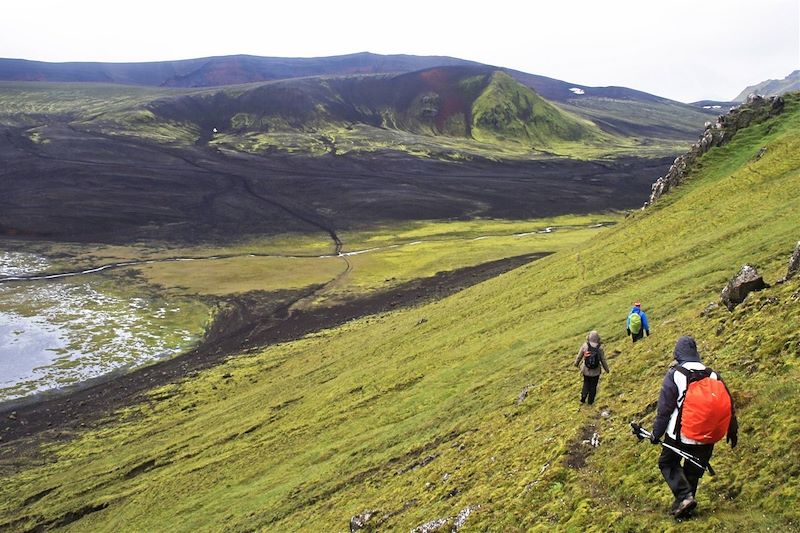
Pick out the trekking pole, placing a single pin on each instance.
(642, 433)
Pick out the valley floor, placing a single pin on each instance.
(251, 321)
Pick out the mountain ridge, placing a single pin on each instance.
(199, 72)
(618, 111)
(245, 68)
(772, 87)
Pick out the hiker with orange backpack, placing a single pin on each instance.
(637, 324)
(695, 410)
(590, 358)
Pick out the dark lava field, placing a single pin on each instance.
(87, 186)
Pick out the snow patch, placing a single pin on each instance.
(576, 90)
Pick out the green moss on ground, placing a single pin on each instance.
(415, 413)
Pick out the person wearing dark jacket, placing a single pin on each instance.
(590, 358)
(683, 479)
(645, 326)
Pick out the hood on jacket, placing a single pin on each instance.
(593, 339)
(686, 350)
(637, 310)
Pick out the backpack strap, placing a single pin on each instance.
(693, 375)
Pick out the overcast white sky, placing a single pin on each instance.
(683, 49)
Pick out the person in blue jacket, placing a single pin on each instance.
(643, 326)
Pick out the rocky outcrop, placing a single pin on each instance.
(430, 527)
(440, 524)
(794, 264)
(462, 516)
(746, 281)
(523, 394)
(756, 109)
(361, 521)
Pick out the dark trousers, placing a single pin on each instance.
(589, 388)
(683, 479)
(636, 336)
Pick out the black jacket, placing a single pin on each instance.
(685, 352)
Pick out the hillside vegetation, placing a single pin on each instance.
(617, 110)
(445, 112)
(415, 414)
(508, 111)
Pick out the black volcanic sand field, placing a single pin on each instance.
(90, 187)
(247, 322)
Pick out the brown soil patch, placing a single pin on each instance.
(580, 449)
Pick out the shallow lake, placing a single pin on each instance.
(59, 332)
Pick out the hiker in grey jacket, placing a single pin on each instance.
(683, 479)
(590, 359)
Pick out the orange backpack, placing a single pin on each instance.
(705, 414)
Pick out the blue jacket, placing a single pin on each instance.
(645, 325)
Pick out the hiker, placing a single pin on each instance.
(589, 359)
(694, 411)
(637, 324)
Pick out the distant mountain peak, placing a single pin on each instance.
(772, 87)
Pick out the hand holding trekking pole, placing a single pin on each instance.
(642, 434)
(637, 431)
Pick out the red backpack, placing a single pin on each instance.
(705, 414)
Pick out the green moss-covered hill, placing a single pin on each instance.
(451, 111)
(508, 110)
(466, 103)
(415, 415)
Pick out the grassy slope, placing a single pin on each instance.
(395, 254)
(307, 434)
(508, 111)
(25, 103)
(121, 109)
(398, 253)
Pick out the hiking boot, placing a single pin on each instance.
(685, 507)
